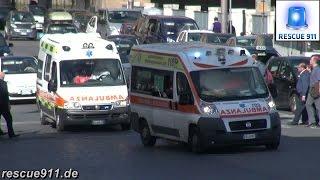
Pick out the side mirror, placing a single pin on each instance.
(52, 86)
(10, 45)
(242, 52)
(273, 90)
(185, 99)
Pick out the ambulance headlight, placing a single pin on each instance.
(72, 105)
(122, 103)
(271, 104)
(209, 109)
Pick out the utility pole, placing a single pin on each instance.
(224, 16)
(130, 4)
(230, 16)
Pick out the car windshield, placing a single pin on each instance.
(61, 29)
(229, 84)
(19, 65)
(171, 28)
(245, 41)
(82, 18)
(123, 16)
(36, 10)
(218, 38)
(22, 17)
(91, 72)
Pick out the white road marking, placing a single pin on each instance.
(23, 123)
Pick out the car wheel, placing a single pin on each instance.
(293, 102)
(60, 124)
(125, 126)
(195, 143)
(147, 139)
(43, 118)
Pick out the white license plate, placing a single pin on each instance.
(249, 136)
(23, 33)
(98, 122)
(26, 92)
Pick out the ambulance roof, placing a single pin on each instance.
(192, 55)
(72, 46)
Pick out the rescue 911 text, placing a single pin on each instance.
(284, 36)
(40, 174)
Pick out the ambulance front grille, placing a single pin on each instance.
(248, 125)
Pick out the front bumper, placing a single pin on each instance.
(214, 133)
(23, 33)
(14, 97)
(79, 117)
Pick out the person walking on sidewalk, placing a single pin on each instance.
(5, 105)
(216, 26)
(302, 90)
(314, 84)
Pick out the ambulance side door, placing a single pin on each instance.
(163, 121)
(48, 97)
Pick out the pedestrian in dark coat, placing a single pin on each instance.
(5, 105)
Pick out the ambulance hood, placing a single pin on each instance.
(93, 95)
(244, 107)
(21, 83)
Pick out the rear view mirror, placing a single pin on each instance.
(52, 86)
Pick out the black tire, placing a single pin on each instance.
(125, 126)
(60, 124)
(293, 102)
(146, 138)
(273, 146)
(43, 120)
(195, 143)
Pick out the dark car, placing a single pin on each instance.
(262, 46)
(124, 44)
(20, 24)
(162, 29)
(4, 46)
(284, 72)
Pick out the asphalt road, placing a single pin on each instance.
(109, 153)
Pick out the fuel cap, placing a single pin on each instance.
(297, 18)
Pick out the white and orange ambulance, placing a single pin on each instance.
(200, 94)
(81, 81)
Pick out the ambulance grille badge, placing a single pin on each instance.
(248, 125)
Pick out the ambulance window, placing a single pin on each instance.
(183, 85)
(47, 68)
(141, 80)
(40, 66)
(163, 84)
(54, 72)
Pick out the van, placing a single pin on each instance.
(162, 29)
(21, 76)
(81, 82)
(200, 94)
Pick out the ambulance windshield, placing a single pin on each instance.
(229, 84)
(92, 72)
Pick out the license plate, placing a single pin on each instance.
(98, 122)
(249, 136)
(25, 92)
(24, 33)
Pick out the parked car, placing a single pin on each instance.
(5, 47)
(20, 24)
(81, 19)
(116, 17)
(124, 43)
(203, 36)
(262, 45)
(162, 29)
(38, 15)
(285, 74)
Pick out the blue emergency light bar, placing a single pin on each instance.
(297, 18)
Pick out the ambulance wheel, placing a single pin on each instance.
(125, 126)
(147, 139)
(59, 124)
(273, 146)
(195, 143)
(43, 118)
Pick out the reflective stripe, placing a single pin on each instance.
(49, 48)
